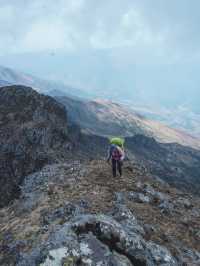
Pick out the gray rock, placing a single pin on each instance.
(120, 197)
(139, 197)
(190, 257)
(157, 196)
(126, 218)
(185, 203)
(197, 235)
(161, 256)
(65, 213)
(33, 130)
(96, 240)
(166, 207)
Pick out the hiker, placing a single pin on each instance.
(116, 153)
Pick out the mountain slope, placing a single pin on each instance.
(106, 118)
(173, 163)
(181, 117)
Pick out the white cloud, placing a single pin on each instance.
(131, 30)
(45, 36)
(167, 30)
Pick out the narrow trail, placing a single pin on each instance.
(101, 186)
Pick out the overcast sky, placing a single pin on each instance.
(163, 30)
(149, 48)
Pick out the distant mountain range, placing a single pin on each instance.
(181, 118)
(110, 74)
(11, 77)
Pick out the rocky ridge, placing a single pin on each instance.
(77, 214)
(33, 132)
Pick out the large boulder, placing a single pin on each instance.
(96, 240)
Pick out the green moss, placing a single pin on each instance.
(69, 261)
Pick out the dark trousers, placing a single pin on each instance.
(116, 165)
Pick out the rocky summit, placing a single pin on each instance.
(61, 206)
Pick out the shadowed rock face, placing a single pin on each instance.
(176, 164)
(33, 132)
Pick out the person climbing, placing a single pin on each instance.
(116, 153)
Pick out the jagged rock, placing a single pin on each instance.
(65, 213)
(129, 244)
(36, 186)
(139, 197)
(49, 175)
(185, 221)
(166, 207)
(97, 240)
(28, 202)
(56, 257)
(190, 257)
(139, 185)
(197, 235)
(185, 203)
(157, 196)
(195, 212)
(161, 256)
(33, 130)
(91, 251)
(125, 217)
(149, 229)
(120, 197)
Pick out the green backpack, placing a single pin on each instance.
(117, 141)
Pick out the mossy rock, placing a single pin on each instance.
(69, 261)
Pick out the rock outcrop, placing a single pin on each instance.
(33, 132)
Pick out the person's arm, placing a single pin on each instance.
(109, 154)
